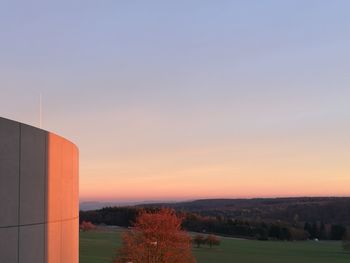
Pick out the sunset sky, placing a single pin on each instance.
(185, 99)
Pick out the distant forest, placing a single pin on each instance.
(262, 219)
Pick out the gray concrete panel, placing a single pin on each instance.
(67, 180)
(32, 244)
(9, 172)
(9, 245)
(69, 249)
(54, 183)
(75, 182)
(54, 242)
(32, 172)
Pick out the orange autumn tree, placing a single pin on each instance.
(87, 226)
(156, 238)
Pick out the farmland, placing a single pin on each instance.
(100, 247)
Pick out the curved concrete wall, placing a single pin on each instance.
(38, 196)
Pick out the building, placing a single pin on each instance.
(39, 199)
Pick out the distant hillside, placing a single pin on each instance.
(87, 206)
(94, 205)
(326, 218)
(303, 209)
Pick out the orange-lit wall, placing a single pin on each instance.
(62, 197)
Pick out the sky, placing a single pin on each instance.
(186, 99)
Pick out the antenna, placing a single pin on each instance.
(40, 111)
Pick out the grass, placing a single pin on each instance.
(100, 247)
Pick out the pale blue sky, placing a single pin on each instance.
(159, 78)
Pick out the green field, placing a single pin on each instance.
(100, 246)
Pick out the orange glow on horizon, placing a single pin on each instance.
(225, 175)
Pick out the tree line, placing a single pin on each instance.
(226, 226)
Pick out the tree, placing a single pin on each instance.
(87, 226)
(156, 238)
(212, 240)
(337, 232)
(314, 231)
(346, 241)
(323, 231)
(308, 229)
(199, 240)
